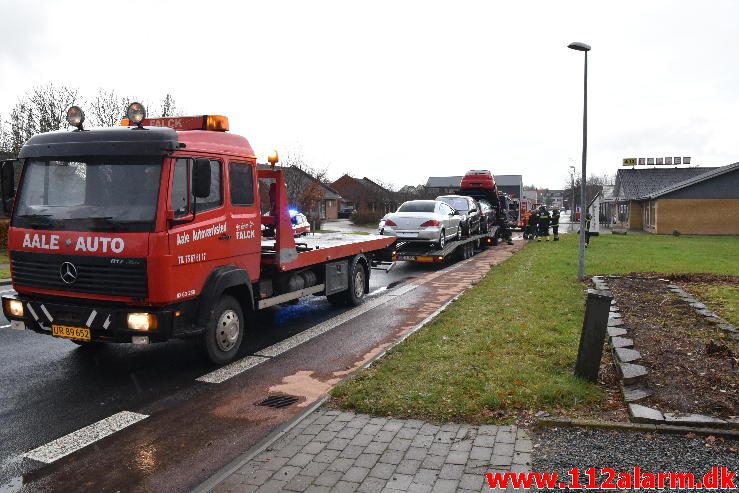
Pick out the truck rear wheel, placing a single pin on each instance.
(225, 331)
(356, 292)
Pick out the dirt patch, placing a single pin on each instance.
(681, 278)
(693, 366)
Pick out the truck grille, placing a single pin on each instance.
(96, 275)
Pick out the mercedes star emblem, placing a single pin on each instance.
(68, 272)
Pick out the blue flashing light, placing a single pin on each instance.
(293, 212)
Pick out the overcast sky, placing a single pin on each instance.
(401, 90)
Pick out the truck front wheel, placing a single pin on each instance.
(225, 331)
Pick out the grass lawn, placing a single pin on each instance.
(721, 298)
(4, 273)
(4, 257)
(508, 346)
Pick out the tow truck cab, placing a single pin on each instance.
(152, 231)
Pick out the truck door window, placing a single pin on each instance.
(182, 199)
(180, 189)
(215, 199)
(241, 181)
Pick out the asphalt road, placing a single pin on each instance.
(51, 387)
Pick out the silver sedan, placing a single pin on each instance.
(432, 221)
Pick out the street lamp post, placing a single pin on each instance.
(583, 204)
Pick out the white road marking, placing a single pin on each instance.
(322, 328)
(229, 371)
(224, 373)
(4, 326)
(61, 447)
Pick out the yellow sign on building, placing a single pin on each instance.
(630, 161)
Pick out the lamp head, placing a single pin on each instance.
(576, 45)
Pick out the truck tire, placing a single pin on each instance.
(225, 331)
(356, 292)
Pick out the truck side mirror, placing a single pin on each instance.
(201, 178)
(7, 179)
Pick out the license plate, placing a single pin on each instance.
(406, 257)
(67, 332)
(407, 235)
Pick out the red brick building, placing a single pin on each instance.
(364, 196)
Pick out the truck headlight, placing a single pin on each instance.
(142, 321)
(13, 307)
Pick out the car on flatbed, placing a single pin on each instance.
(428, 221)
(468, 210)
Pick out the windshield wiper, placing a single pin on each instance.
(107, 223)
(42, 220)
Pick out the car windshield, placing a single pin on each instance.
(457, 203)
(420, 206)
(89, 194)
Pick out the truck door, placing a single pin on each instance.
(246, 243)
(201, 242)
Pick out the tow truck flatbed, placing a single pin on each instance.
(421, 252)
(319, 248)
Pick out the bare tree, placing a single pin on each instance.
(106, 109)
(21, 126)
(49, 105)
(168, 107)
(303, 183)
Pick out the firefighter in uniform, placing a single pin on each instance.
(532, 224)
(543, 222)
(555, 224)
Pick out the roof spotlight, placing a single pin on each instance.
(75, 116)
(136, 113)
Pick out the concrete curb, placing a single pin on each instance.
(211, 483)
(635, 427)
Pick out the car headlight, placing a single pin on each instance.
(142, 321)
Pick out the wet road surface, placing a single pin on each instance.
(190, 429)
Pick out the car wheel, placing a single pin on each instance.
(225, 331)
(442, 239)
(459, 234)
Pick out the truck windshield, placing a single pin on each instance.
(89, 194)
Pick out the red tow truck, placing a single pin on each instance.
(152, 231)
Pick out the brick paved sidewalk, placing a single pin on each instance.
(341, 451)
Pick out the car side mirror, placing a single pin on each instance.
(455, 213)
(7, 184)
(201, 178)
